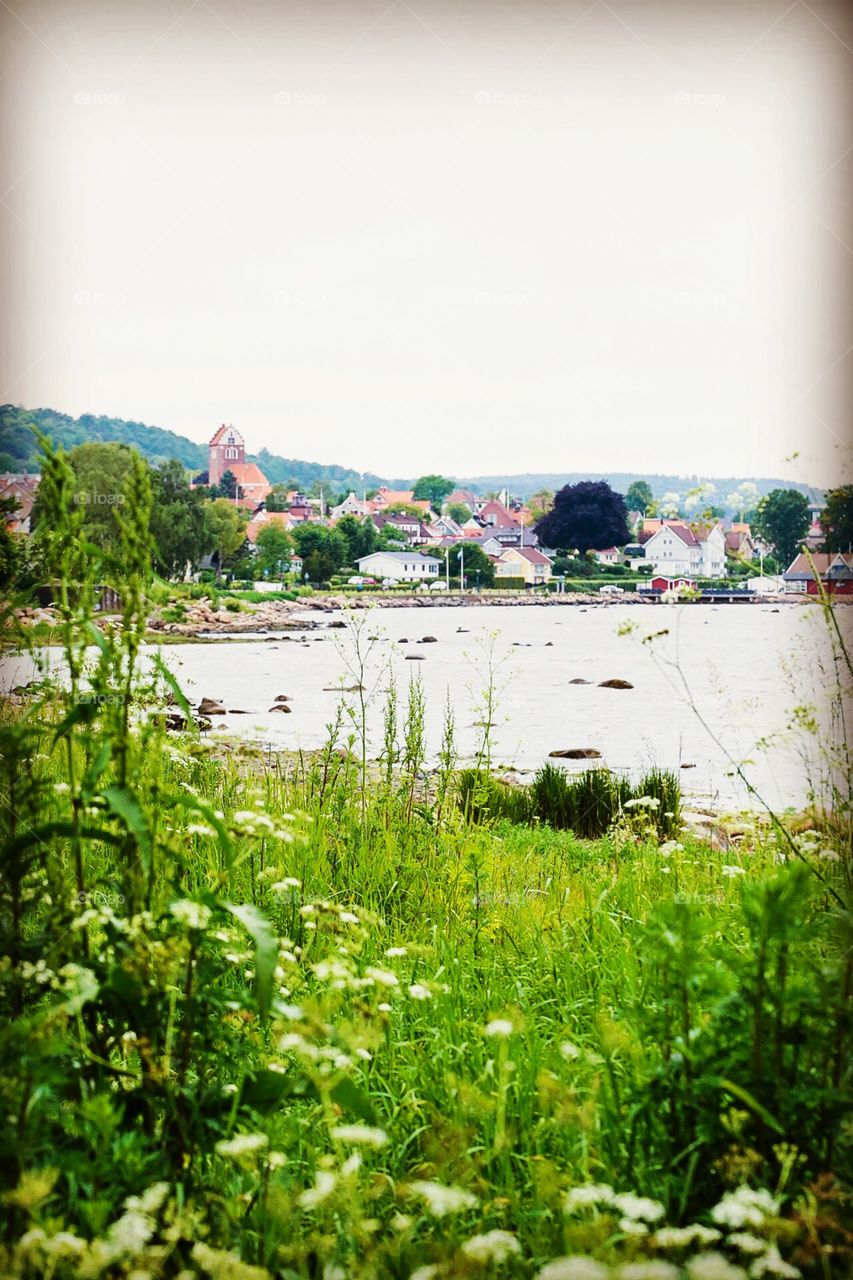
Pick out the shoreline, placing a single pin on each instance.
(205, 625)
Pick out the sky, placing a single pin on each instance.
(410, 237)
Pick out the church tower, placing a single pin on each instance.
(227, 449)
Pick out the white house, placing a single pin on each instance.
(351, 506)
(401, 566)
(678, 551)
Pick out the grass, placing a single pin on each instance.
(295, 1019)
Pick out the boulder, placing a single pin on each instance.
(281, 697)
(687, 766)
(575, 753)
(282, 706)
(615, 684)
(429, 640)
(580, 680)
(210, 707)
(337, 624)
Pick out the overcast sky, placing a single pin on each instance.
(406, 237)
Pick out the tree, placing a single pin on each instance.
(323, 550)
(361, 536)
(783, 519)
(639, 496)
(432, 489)
(459, 511)
(837, 519)
(228, 485)
(225, 528)
(274, 549)
(101, 471)
(178, 526)
(276, 499)
(585, 516)
(11, 544)
(473, 560)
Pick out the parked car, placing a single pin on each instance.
(610, 590)
(438, 585)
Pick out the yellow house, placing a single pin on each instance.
(523, 562)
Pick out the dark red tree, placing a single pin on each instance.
(586, 516)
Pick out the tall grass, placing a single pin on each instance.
(274, 1018)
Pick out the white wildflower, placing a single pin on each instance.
(829, 855)
(631, 1227)
(582, 1197)
(396, 951)
(569, 1051)
(713, 1266)
(747, 1242)
(441, 1200)
(500, 1028)
(668, 848)
(651, 1270)
(745, 1208)
(493, 1246)
(351, 1165)
(419, 992)
(639, 1207)
(773, 1264)
(131, 1232)
(289, 882)
(382, 977)
(243, 1144)
(324, 1184)
(642, 802)
(151, 1200)
(681, 1237)
(348, 917)
(573, 1267)
(195, 915)
(360, 1134)
(731, 871)
(63, 1245)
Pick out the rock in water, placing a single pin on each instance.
(615, 684)
(281, 697)
(576, 753)
(282, 706)
(580, 680)
(429, 640)
(210, 707)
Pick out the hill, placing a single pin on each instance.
(19, 449)
(523, 486)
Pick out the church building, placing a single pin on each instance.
(227, 452)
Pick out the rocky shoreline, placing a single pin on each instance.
(203, 621)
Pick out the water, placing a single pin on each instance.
(731, 662)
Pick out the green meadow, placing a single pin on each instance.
(335, 1016)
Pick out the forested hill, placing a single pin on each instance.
(19, 449)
